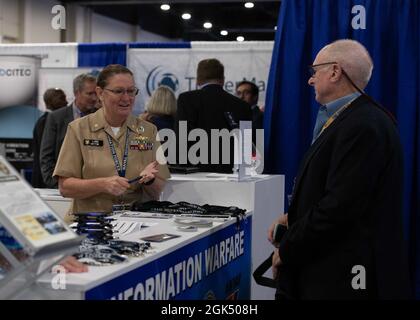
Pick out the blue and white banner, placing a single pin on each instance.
(176, 67)
(217, 266)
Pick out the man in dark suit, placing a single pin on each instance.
(343, 237)
(248, 92)
(84, 103)
(54, 99)
(206, 109)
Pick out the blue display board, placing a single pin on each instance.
(217, 266)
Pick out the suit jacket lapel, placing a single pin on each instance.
(69, 114)
(320, 141)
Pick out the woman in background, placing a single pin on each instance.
(161, 108)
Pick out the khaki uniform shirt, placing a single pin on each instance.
(86, 154)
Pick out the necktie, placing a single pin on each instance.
(321, 118)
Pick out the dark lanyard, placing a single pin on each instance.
(120, 170)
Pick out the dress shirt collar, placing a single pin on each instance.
(333, 106)
(97, 122)
(76, 111)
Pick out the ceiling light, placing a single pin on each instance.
(240, 38)
(165, 7)
(224, 33)
(207, 25)
(186, 16)
(249, 5)
(275, 28)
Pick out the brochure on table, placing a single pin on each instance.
(25, 216)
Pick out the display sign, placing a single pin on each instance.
(17, 150)
(25, 215)
(217, 266)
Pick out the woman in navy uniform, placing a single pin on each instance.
(103, 151)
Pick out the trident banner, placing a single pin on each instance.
(176, 67)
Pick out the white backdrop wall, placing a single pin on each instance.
(177, 67)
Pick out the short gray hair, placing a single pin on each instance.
(353, 57)
(80, 80)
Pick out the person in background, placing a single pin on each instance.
(161, 108)
(343, 235)
(248, 92)
(54, 98)
(207, 108)
(84, 103)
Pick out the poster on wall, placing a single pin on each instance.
(60, 78)
(176, 68)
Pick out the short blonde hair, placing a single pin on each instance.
(162, 102)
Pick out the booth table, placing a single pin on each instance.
(210, 263)
(262, 195)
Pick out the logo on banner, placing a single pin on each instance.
(16, 72)
(159, 77)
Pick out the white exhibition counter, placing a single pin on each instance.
(212, 262)
(262, 195)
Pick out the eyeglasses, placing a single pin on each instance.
(312, 70)
(120, 92)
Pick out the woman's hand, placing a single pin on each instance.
(149, 173)
(71, 264)
(115, 185)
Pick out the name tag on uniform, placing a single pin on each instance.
(93, 142)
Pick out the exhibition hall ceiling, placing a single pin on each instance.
(257, 21)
